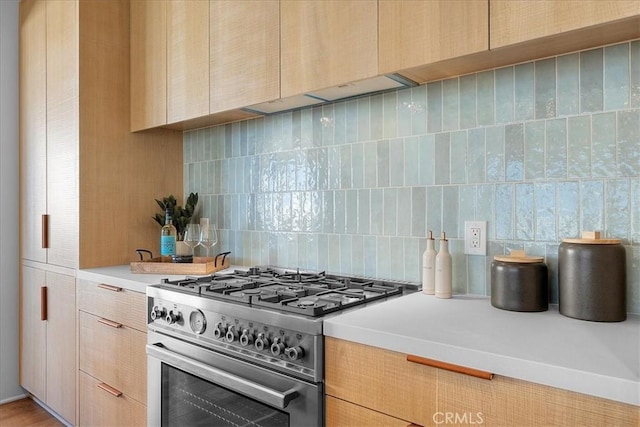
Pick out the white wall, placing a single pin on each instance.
(9, 388)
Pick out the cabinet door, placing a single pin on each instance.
(33, 127)
(510, 402)
(99, 407)
(148, 64)
(327, 43)
(419, 32)
(33, 332)
(380, 380)
(245, 53)
(344, 414)
(187, 60)
(62, 132)
(516, 21)
(61, 345)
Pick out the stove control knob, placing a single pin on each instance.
(246, 338)
(158, 313)
(220, 331)
(262, 342)
(232, 334)
(294, 353)
(173, 317)
(278, 346)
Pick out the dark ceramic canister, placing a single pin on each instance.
(592, 278)
(519, 282)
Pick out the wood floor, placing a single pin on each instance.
(25, 412)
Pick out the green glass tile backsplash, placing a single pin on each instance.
(540, 150)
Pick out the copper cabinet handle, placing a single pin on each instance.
(450, 367)
(43, 303)
(45, 231)
(112, 391)
(109, 287)
(110, 323)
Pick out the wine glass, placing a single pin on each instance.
(192, 237)
(208, 236)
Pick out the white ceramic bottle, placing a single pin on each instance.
(443, 269)
(429, 267)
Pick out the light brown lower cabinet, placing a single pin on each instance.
(112, 357)
(99, 406)
(48, 339)
(115, 353)
(368, 383)
(345, 414)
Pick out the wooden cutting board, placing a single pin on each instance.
(201, 266)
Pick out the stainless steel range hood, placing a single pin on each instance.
(284, 104)
(335, 93)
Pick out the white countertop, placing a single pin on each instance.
(121, 275)
(600, 359)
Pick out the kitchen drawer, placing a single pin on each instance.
(99, 407)
(113, 303)
(115, 354)
(381, 380)
(344, 414)
(386, 382)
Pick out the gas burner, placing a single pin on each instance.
(297, 277)
(257, 271)
(187, 283)
(317, 304)
(308, 303)
(254, 291)
(230, 281)
(219, 286)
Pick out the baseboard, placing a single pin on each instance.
(13, 399)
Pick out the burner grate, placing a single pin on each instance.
(309, 294)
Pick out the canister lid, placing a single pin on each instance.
(592, 238)
(517, 256)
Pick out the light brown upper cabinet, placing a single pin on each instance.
(79, 161)
(148, 64)
(518, 21)
(327, 43)
(33, 128)
(245, 53)
(63, 130)
(187, 60)
(48, 133)
(418, 32)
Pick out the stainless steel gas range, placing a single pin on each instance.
(246, 347)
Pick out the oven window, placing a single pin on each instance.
(191, 401)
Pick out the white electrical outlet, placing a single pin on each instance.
(475, 237)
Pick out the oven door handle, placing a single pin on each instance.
(241, 385)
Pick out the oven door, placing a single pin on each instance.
(189, 386)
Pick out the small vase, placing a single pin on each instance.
(182, 248)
